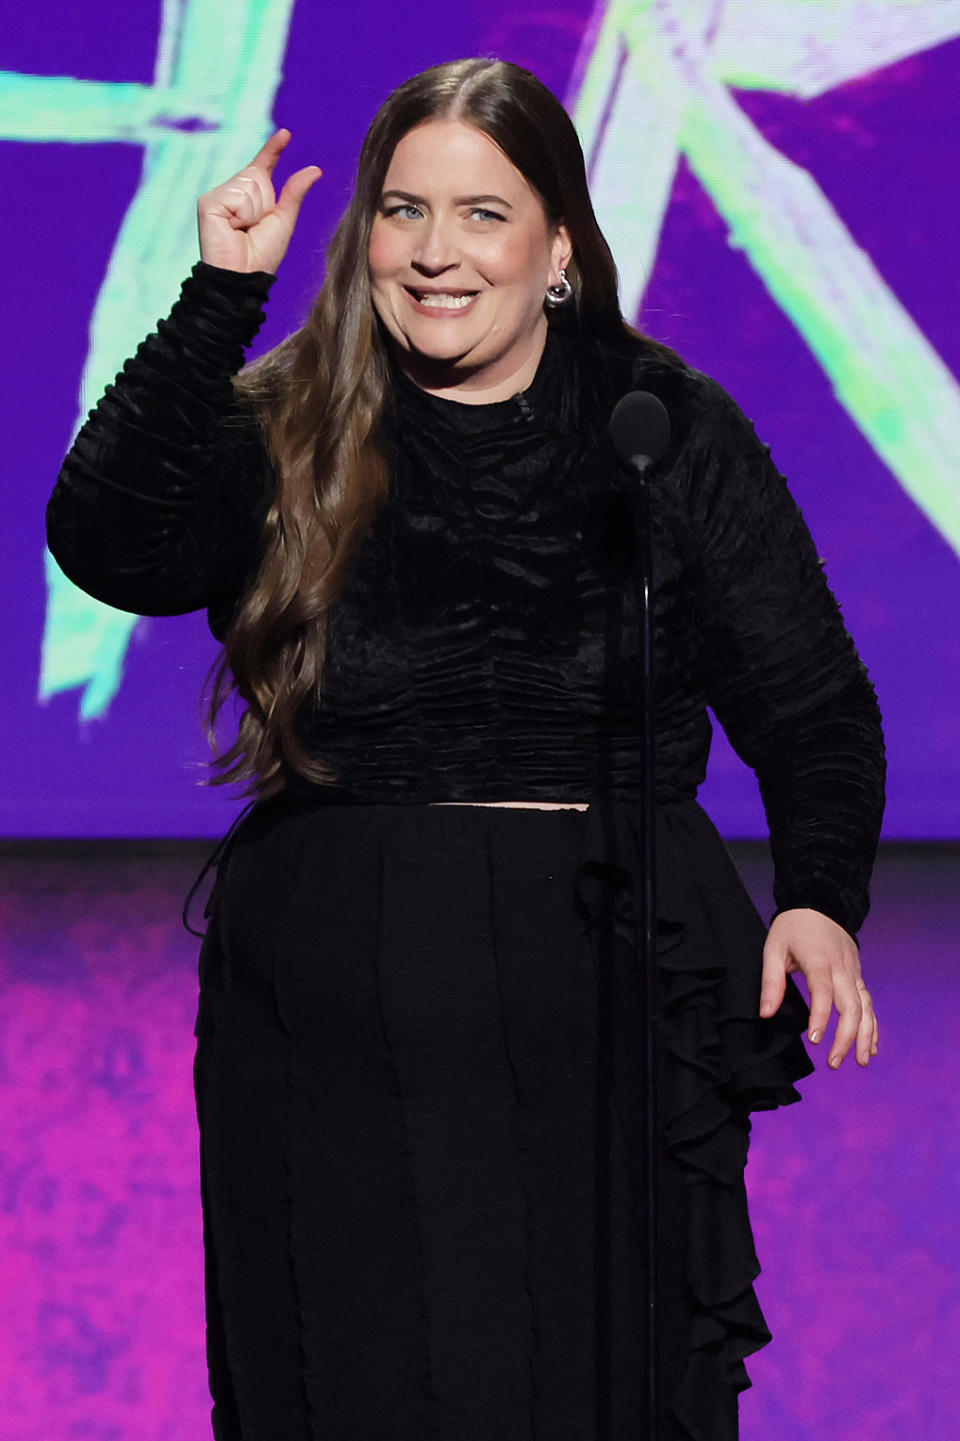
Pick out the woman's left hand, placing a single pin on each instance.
(808, 941)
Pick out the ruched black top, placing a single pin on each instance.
(487, 645)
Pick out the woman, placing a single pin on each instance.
(421, 1206)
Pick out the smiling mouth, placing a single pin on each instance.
(442, 299)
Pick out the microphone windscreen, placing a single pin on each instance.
(639, 427)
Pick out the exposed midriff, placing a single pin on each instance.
(536, 805)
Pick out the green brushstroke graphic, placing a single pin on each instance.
(219, 65)
(656, 84)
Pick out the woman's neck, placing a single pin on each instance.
(483, 385)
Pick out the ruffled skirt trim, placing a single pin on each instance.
(717, 1062)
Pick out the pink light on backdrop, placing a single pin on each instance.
(101, 1320)
(102, 1306)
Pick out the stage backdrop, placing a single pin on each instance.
(777, 179)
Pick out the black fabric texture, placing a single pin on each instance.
(487, 647)
(422, 1178)
(417, 1139)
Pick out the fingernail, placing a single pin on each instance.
(834, 1061)
(814, 1036)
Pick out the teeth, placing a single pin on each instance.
(446, 302)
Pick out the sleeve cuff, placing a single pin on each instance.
(221, 311)
(829, 903)
(233, 282)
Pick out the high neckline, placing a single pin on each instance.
(527, 406)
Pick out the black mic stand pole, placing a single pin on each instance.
(643, 579)
(640, 432)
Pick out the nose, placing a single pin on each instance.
(435, 250)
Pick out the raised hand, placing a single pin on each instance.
(243, 224)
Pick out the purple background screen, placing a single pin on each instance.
(853, 1192)
(878, 146)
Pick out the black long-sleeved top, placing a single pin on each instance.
(487, 645)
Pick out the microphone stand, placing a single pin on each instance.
(647, 950)
(640, 433)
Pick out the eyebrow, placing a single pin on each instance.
(458, 199)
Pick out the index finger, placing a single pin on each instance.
(267, 157)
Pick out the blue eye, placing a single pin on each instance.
(409, 211)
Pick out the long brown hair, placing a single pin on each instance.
(319, 394)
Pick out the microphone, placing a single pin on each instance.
(639, 429)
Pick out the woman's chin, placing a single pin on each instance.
(437, 359)
(441, 349)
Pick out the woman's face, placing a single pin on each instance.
(461, 254)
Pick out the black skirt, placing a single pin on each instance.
(421, 1144)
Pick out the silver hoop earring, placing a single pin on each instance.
(560, 294)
